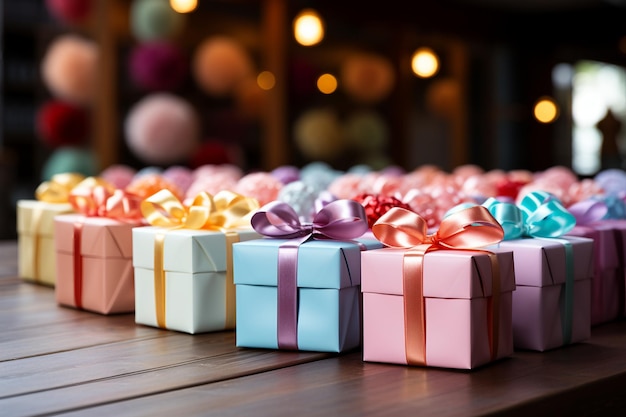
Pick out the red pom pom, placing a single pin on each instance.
(62, 124)
(71, 11)
(509, 188)
(377, 205)
(211, 153)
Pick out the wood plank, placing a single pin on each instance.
(135, 382)
(580, 379)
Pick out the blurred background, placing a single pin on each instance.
(503, 84)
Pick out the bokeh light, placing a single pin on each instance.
(308, 28)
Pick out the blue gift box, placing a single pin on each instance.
(328, 293)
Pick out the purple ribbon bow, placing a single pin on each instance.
(339, 220)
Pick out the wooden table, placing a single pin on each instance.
(60, 361)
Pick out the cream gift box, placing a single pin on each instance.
(94, 263)
(299, 288)
(458, 296)
(36, 252)
(195, 296)
(552, 301)
(183, 262)
(35, 227)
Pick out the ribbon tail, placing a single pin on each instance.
(288, 296)
(159, 280)
(229, 321)
(414, 308)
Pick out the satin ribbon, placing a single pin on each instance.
(338, 220)
(541, 215)
(55, 191)
(588, 211)
(616, 205)
(467, 229)
(225, 212)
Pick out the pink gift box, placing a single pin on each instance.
(457, 287)
(607, 282)
(539, 321)
(619, 232)
(107, 284)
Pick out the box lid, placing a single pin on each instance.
(184, 250)
(321, 263)
(39, 215)
(447, 273)
(541, 261)
(101, 237)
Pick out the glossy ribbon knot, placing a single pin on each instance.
(224, 211)
(588, 211)
(469, 228)
(539, 214)
(95, 197)
(340, 219)
(57, 190)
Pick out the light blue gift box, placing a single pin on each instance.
(329, 293)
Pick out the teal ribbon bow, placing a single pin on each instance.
(539, 214)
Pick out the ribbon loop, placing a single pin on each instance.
(95, 197)
(539, 214)
(340, 219)
(57, 190)
(588, 211)
(468, 228)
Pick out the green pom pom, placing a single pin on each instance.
(154, 20)
(68, 159)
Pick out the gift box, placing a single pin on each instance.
(607, 284)
(618, 226)
(94, 263)
(461, 318)
(327, 317)
(299, 287)
(552, 300)
(35, 240)
(185, 282)
(35, 227)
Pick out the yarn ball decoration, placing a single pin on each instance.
(211, 152)
(157, 66)
(119, 175)
(301, 197)
(367, 130)
(69, 159)
(70, 11)
(162, 128)
(367, 77)
(154, 20)
(148, 184)
(286, 173)
(319, 135)
(219, 64)
(180, 176)
(260, 185)
(69, 68)
(62, 124)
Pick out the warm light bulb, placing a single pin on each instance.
(546, 110)
(184, 6)
(327, 83)
(425, 63)
(308, 28)
(266, 80)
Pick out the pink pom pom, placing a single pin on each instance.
(211, 184)
(69, 69)
(162, 129)
(119, 175)
(180, 176)
(347, 186)
(260, 185)
(232, 172)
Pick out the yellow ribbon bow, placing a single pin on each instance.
(224, 211)
(57, 190)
